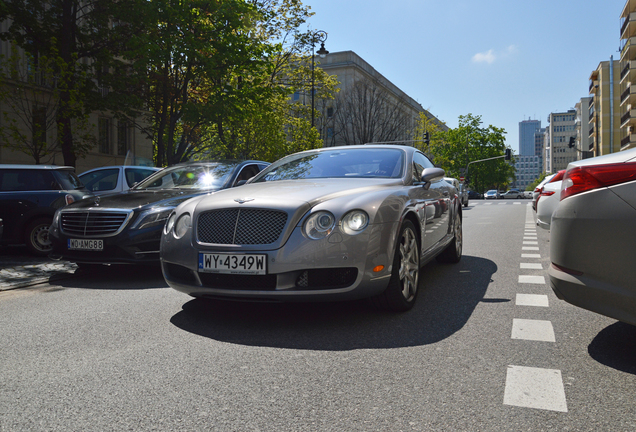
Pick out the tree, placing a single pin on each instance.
(367, 113)
(85, 41)
(452, 150)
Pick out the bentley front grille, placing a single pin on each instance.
(93, 223)
(241, 226)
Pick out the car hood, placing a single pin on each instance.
(139, 199)
(297, 193)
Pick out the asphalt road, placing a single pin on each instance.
(488, 347)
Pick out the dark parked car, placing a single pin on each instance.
(29, 197)
(126, 227)
(474, 195)
(329, 224)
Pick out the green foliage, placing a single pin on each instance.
(532, 186)
(452, 150)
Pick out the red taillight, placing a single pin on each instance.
(546, 193)
(585, 178)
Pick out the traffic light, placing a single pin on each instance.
(427, 138)
(571, 144)
(508, 154)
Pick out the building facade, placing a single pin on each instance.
(604, 109)
(528, 168)
(628, 76)
(29, 107)
(527, 130)
(581, 126)
(350, 70)
(559, 148)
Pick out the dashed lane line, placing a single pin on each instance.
(532, 279)
(538, 300)
(535, 388)
(531, 266)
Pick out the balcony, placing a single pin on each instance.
(593, 85)
(591, 134)
(629, 96)
(629, 118)
(628, 28)
(628, 49)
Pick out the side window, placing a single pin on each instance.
(102, 180)
(27, 180)
(420, 162)
(247, 173)
(135, 175)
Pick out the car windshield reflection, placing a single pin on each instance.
(371, 163)
(188, 177)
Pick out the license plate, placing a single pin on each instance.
(233, 263)
(83, 244)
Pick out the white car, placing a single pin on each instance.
(548, 200)
(112, 179)
(537, 190)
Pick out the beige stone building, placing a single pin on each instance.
(558, 152)
(350, 69)
(604, 108)
(628, 76)
(32, 110)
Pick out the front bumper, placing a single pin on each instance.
(340, 267)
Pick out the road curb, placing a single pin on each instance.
(20, 276)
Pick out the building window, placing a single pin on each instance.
(103, 135)
(295, 96)
(123, 131)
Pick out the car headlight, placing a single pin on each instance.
(152, 218)
(354, 222)
(182, 225)
(170, 223)
(319, 225)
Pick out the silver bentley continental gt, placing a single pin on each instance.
(336, 223)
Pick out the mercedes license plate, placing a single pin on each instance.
(233, 263)
(83, 244)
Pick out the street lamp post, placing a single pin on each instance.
(318, 36)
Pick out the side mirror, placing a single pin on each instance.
(429, 175)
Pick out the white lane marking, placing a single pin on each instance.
(539, 300)
(530, 238)
(529, 248)
(535, 388)
(532, 279)
(533, 266)
(530, 242)
(516, 203)
(535, 330)
(487, 203)
(530, 256)
(503, 203)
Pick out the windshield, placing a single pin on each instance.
(69, 180)
(371, 163)
(209, 176)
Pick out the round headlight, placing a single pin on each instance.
(355, 222)
(182, 225)
(319, 225)
(170, 223)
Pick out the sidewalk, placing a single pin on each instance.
(18, 269)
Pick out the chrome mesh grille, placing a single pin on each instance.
(241, 226)
(91, 224)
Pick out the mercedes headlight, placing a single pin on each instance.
(319, 225)
(354, 222)
(152, 217)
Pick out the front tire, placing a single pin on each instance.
(36, 237)
(401, 292)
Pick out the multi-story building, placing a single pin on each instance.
(581, 126)
(539, 137)
(559, 141)
(604, 112)
(30, 105)
(527, 130)
(528, 169)
(628, 76)
(351, 69)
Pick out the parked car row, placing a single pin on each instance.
(590, 209)
(328, 224)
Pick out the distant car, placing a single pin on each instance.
(512, 194)
(29, 197)
(474, 195)
(593, 236)
(125, 228)
(463, 194)
(527, 194)
(335, 223)
(112, 179)
(537, 190)
(492, 194)
(548, 200)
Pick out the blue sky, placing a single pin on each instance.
(506, 60)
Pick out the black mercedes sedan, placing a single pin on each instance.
(125, 228)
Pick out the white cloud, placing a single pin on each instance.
(491, 55)
(487, 57)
